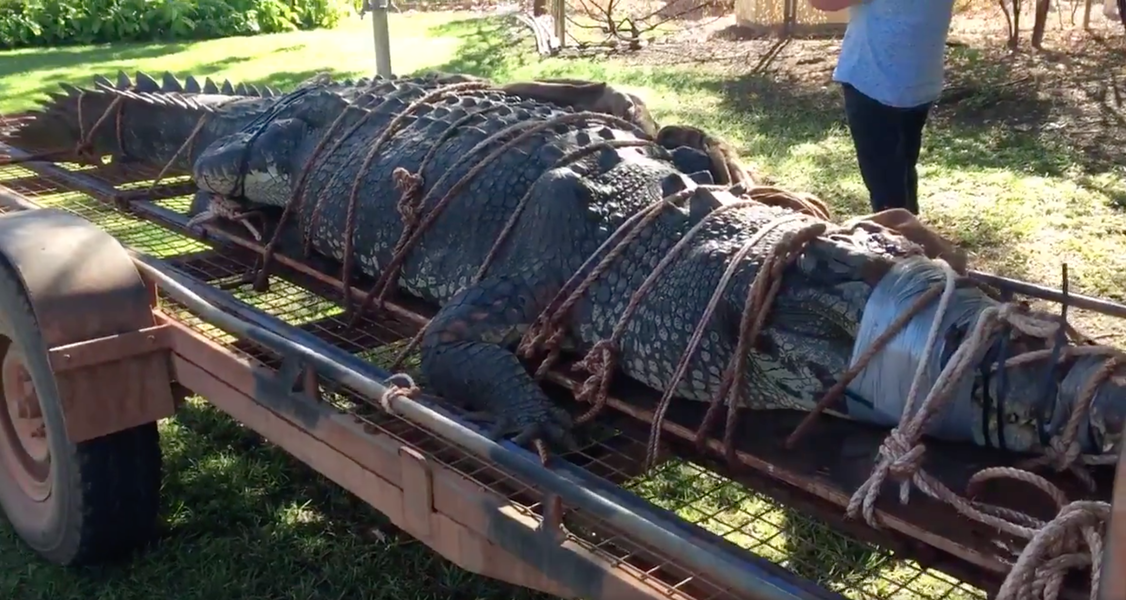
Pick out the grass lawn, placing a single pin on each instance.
(999, 174)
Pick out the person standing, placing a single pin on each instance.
(891, 72)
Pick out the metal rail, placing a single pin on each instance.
(1032, 290)
(576, 488)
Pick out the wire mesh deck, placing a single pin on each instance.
(614, 450)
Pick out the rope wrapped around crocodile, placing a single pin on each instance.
(541, 226)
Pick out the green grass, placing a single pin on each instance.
(242, 520)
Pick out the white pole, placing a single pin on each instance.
(381, 37)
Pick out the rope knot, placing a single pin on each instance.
(399, 385)
(531, 340)
(1061, 453)
(903, 456)
(600, 358)
(600, 363)
(1020, 317)
(409, 185)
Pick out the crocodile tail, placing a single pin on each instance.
(136, 118)
(143, 82)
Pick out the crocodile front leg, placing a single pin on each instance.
(467, 358)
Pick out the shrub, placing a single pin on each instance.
(59, 22)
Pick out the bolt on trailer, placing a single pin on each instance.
(108, 329)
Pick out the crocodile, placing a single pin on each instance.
(542, 192)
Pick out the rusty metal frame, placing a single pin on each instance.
(476, 528)
(109, 365)
(504, 526)
(954, 556)
(421, 479)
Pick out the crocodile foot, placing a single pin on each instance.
(549, 423)
(466, 359)
(224, 208)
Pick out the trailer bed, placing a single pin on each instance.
(712, 507)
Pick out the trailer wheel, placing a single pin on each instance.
(72, 503)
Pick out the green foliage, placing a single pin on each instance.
(26, 23)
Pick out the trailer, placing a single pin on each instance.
(113, 312)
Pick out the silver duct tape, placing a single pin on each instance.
(879, 394)
(1019, 418)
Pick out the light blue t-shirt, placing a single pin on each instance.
(893, 50)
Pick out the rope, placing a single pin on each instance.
(546, 331)
(353, 195)
(775, 196)
(1053, 547)
(369, 112)
(85, 142)
(297, 196)
(760, 298)
(1056, 548)
(411, 235)
(408, 179)
(600, 360)
(1063, 451)
(85, 138)
(697, 335)
(189, 145)
(837, 391)
(399, 385)
(413, 181)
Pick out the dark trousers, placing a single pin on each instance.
(887, 141)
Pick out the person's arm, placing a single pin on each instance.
(832, 5)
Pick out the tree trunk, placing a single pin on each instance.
(1040, 22)
(1122, 12)
(1014, 39)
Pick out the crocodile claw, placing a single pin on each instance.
(549, 424)
(222, 208)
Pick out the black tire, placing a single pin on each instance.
(104, 493)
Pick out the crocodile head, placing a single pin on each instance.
(260, 163)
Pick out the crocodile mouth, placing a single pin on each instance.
(221, 207)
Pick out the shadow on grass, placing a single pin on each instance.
(242, 515)
(804, 545)
(66, 73)
(72, 57)
(490, 47)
